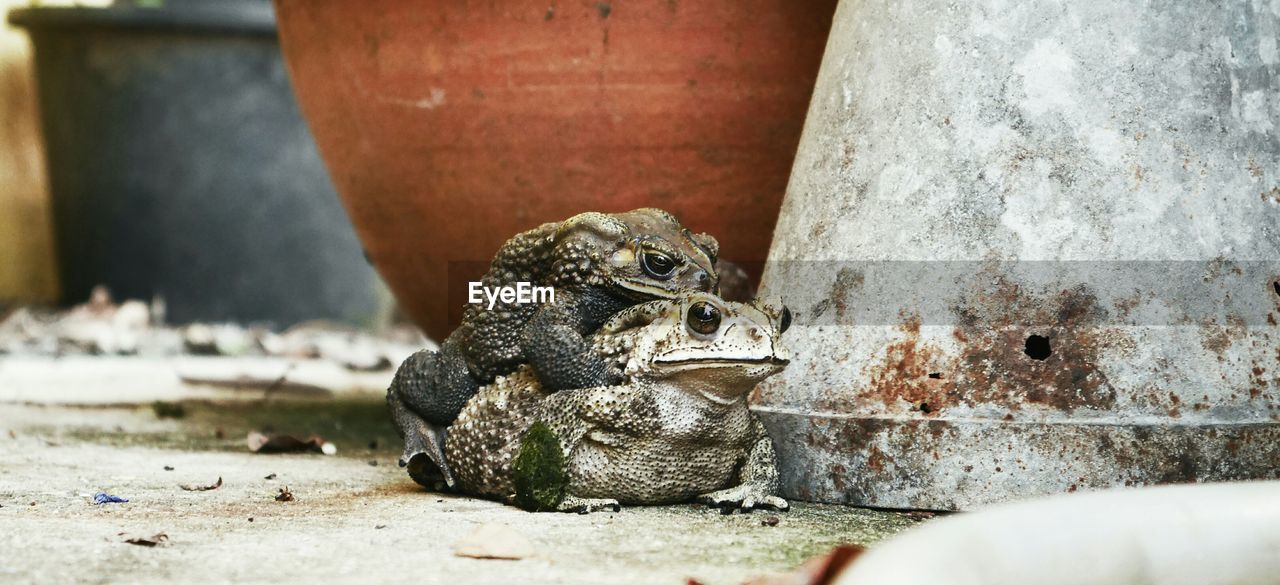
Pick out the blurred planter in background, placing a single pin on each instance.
(179, 166)
(447, 130)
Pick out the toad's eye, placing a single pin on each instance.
(703, 318)
(657, 264)
(786, 320)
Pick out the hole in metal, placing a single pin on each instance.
(1038, 347)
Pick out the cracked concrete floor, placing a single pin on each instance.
(356, 516)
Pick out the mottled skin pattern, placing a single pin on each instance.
(676, 429)
(599, 264)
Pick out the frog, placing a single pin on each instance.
(677, 428)
(597, 264)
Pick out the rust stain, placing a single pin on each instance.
(993, 365)
(1258, 383)
(905, 372)
(838, 473)
(1218, 338)
(847, 281)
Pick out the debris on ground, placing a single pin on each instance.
(770, 521)
(270, 476)
(102, 326)
(285, 495)
(158, 539)
(494, 541)
(820, 570)
(104, 498)
(268, 377)
(168, 468)
(168, 409)
(920, 515)
(281, 443)
(201, 488)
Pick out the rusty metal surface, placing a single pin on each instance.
(1025, 256)
(961, 464)
(949, 407)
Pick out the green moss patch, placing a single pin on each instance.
(539, 470)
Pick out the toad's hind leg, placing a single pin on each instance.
(426, 395)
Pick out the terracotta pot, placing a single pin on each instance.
(450, 126)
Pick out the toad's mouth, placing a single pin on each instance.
(723, 361)
(649, 290)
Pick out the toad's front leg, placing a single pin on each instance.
(559, 349)
(758, 476)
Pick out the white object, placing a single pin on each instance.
(1210, 534)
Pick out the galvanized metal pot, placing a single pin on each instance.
(1032, 248)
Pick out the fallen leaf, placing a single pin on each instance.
(279, 443)
(819, 570)
(285, 495)
(494, 541)
(272, 476)
(770, 521)
(201, 488)
(104, 498)
(168, 409)
(154, 540)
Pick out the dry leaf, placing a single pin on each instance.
(285, 495)
(819, 570)
(494, 541)
(276, 443)
(201, 488)
(157, 539)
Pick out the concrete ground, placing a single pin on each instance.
(355, 517)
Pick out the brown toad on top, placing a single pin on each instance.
(678, 427)
(598, 264)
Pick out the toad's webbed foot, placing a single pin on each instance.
(423, 446)
(424, 459)
(588, 505)
(744, 497)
